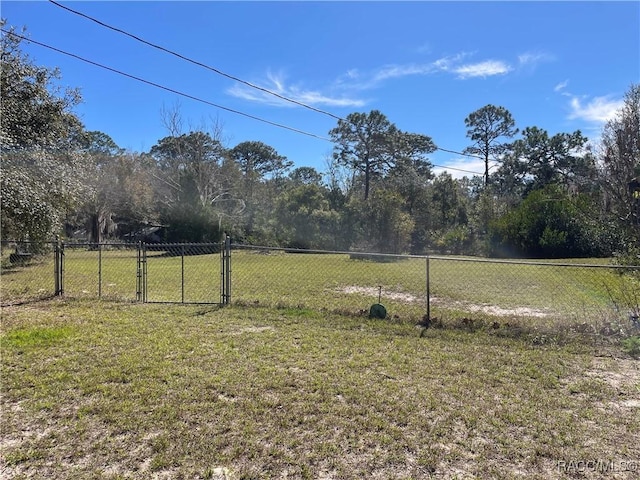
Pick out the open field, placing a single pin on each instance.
(111, 390)
(538, 293)
(550, 297)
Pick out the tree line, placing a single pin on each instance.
(541, 195)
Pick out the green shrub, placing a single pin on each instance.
(631, 345)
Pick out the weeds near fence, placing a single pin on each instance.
(632, 346)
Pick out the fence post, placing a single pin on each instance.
(99, 270)
(182, 271)
(145, 273)
(428, 292)
(56, 266)
(228, 246)
(59, 267)
(225, 272)
(140, 275)
(223, 284)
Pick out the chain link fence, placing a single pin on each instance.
(106, 270)
(472, 292)
(181, 273)
(587, 297)
(348, 282)
(28, 271)
(169, 273)
(590, 297)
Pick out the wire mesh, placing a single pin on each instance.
(593, 297)
(182, 273)
(27, 272)
(175, 273)
(347, 282)
(106, 270)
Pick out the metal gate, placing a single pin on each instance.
(143, 272)
(184, 273)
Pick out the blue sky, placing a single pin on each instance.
(560, 66)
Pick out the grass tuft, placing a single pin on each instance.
(36, 336)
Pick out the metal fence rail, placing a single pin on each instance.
(597, 298)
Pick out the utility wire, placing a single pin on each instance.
(195, 62)
(446, 167)
(168, 89)
(192, 97)
(232, 77)
(460, 153)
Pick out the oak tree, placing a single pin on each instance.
(620, 172)
(43, 170)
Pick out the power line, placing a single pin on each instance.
(460, 153)
(168, 89)
(195, 62)
(446, 167)
(232, 77)
(192, 97)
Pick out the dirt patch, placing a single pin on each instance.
(467, 306)
(386, 294)
(253, 330)
(623, 376)
(619, 373)
(503, 312)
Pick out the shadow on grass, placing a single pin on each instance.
(28, 301)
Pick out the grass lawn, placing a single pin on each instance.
(114, 390)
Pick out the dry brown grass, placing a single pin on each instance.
(109, 390)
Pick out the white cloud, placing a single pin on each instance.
(445, 64)
(597, 110)
(316, 98)
(356, 80)
(483, 69)
(561, 86)
(532, 59)
(277, 84)
(353, 73)
(397, 71)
